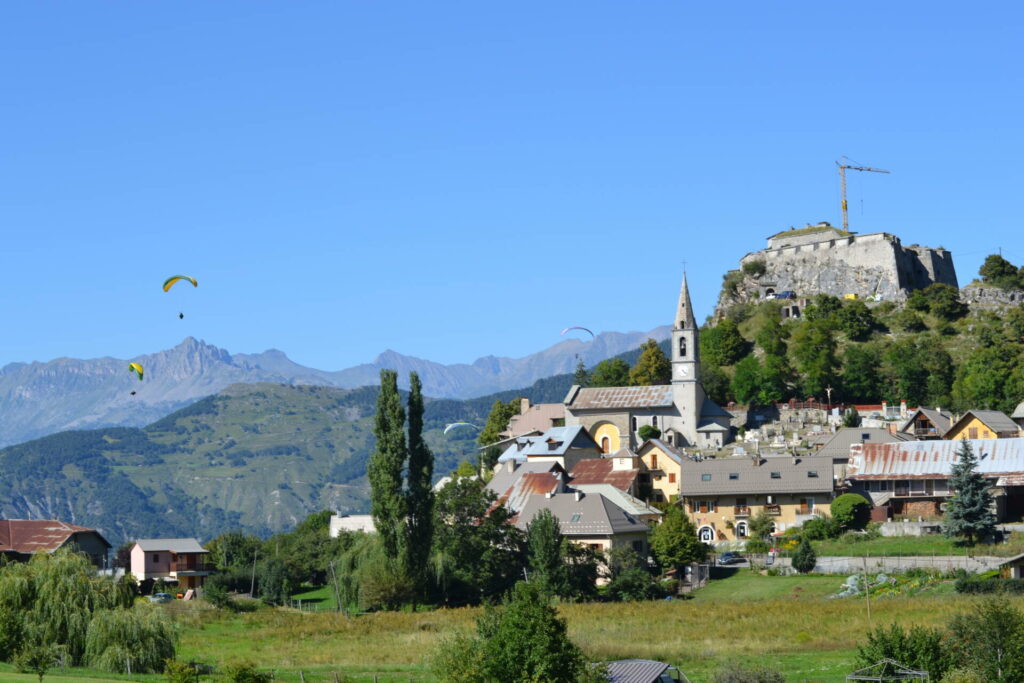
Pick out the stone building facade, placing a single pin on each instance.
(680, 410)
(821, 259)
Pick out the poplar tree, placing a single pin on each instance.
(969, 512)
(545, 555)
(387, 501)
(419, 495)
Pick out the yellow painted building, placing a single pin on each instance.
(983, 424)
(721, 495)
(662, 470)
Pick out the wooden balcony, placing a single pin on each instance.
(805, 510)
(741, 511)
(773, 509)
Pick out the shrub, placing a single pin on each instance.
(36, 659)
(246, 673)
(918, 648)
(754, 268)
(757, 546)
(648, 432)
(819, 529)
(973, 585)
(180, 672)
(851, 511)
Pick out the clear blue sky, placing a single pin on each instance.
(458, 179)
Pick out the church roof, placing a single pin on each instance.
(598, 398)
(712, 409)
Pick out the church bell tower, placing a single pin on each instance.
(685, 352)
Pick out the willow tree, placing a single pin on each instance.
(129, 641)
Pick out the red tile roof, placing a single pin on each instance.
(599, 471)
(27, 536)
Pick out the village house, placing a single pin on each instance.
(927, 423)
(680, 411)
(534, 418)
(350, 523)
(589, 519)
(910, 479)
(22, 538)
(661, 474)
(837, 447)
(983, 424)
(721, 495)
(179, 560)
(564, 445)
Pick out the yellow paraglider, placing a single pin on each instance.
(136, 368)
(170, 282)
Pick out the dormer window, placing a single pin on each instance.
(776, 475)
(576, 517)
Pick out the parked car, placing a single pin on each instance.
(731, 558)
(161, 597)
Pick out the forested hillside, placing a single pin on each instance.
(931, 350)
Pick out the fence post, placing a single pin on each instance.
(301, 677)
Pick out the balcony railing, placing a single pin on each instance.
(773, 509)
(192, 567)
(805, 510)
(741, 511)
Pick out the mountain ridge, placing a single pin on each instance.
(44, 397)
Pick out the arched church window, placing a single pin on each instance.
(682, 346)
(606, 444)
(633, 423)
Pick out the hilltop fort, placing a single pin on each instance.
(822, 259)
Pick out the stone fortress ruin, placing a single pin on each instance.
(822, 259)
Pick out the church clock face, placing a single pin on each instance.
(683, 372)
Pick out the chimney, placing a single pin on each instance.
(549, 494)
(796, 460)
(510, 465)
(524, 405)
(578, 495)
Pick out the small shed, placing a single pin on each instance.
(1012, 567)
(643, 671)
(887, 670)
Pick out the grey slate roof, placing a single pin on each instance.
(591, 515)
(174, 545)
(597, 398)
(712, 409)
(750, 479)
(628, 503)
(838, 445)
(635, 671)
(667, 449)
(995, 420)
(555, 441)
(942, 419)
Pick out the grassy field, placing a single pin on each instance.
(918, 545)
(785, 622)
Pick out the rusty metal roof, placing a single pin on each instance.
(600, 471)
(622, 397)
(27, 536)
(933, 459)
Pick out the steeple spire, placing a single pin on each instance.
(684, 319)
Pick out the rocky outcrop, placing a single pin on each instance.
(825, 260)
(977, 295)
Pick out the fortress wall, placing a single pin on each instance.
(928, 265)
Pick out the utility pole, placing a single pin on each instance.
(842, 184)
(252, 582)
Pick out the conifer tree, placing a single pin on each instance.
(804, 558)
(387, 502)
(653, 366)
(497, 421)
(581, 376)
(969, 512)
(419, 494)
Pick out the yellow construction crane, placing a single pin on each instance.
(842, 184)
